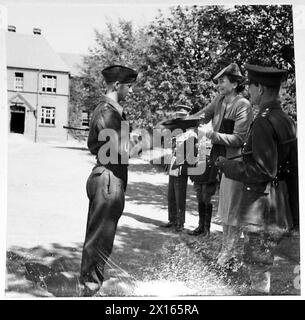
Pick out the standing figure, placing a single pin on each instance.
(231, 116)
(178, 176)
(107, 182)
(269, 162)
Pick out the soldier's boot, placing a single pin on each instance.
(260, 283)
(169, 224)
(207, 219)
(201, 212)
(179, 225)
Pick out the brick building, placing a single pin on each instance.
(38, 87)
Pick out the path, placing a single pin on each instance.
(47, 212)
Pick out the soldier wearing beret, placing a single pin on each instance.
(269, 163)
(107, 182)
(177, 183)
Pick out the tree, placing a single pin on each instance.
(178, 55)
(260, 35)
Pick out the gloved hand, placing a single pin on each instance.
(219, 163)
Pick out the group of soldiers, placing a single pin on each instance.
(257, 159)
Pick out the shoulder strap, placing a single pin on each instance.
(270, 120)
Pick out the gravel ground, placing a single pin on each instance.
(47, 212)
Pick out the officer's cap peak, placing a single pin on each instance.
(264, 69)
(265, 75)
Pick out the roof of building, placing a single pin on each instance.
(74, 63)
(32, 52)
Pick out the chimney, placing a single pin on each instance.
(11, 28)
(36, 31)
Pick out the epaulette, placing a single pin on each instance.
(105, 106)
(109, 106)
(265, 112)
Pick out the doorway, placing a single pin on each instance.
(17, 119)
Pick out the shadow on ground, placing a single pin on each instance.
(146, 168)
(143, 255)
(44, 272)
(54, 270)
(147, 256)
(74, 148)
(147, 193)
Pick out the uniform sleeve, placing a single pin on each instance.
(262, 164)
(243, 119)
(103, 118)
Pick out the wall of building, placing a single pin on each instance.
(34, 97)
(61, 118)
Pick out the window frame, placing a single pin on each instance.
(16, 86)
(50, 116)
(49, 83)
(85, 119)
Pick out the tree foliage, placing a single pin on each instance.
(179, 53)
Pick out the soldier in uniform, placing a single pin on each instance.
(270, 159)
(107, 182)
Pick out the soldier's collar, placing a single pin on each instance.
(275, 104)
(114, 104)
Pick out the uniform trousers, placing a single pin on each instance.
(204, 191)
(106, 204)
(259, 257)
(176, 199)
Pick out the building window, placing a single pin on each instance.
(18, 81)
(85, 119)
(49, 83)
(47, 116)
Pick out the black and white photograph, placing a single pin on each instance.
(151, 149)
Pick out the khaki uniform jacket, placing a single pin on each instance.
(270, 144)
(107, 115)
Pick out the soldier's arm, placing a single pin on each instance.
(117, 130)
(242, 121)
(105, 127)
(96, 124)
(262, 164)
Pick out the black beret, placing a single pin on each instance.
(119, 73)
(267, 76)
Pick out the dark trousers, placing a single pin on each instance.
(106, 204)
(204, 191)
(176, 199)
(259, 257)
(259, 250)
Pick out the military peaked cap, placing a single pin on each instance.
(232, 69)
(119, 73)
(268, 76)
